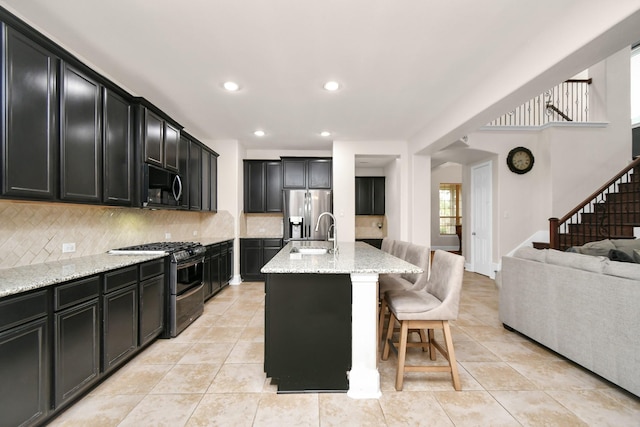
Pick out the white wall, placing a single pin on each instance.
(230, 181)
(397, 183)
(571, 161)
(449, 173)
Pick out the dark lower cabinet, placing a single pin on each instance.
(151, 308)
(80, 139)
(120, 326)
(24, 369)
(29, 118)
(77, 350)
(254, 254)
(25, 385)
(308, 331)
(212, 277)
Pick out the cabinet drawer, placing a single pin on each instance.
(251, 243)
(272, 243)
(213, 250)
(120, 278)
(75, 292)
(151, 269)
(22, 308)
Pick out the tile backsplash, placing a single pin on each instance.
(34, 232)
(367, 226)
(261, 225)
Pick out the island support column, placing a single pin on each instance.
(364, 378)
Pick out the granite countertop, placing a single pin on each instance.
(29, 277)
(352, 257)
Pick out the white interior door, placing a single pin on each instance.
(481, 219)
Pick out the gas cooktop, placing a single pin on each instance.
(179, 251)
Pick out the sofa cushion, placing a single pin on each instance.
(594, 264)
(527, 252)
(636, 255)
(622, 269)
(626, 243)
(599, 248)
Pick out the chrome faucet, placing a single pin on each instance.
(335, 229)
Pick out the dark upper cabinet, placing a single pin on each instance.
(80, 139)
(370, 195)
(319, 173)
(209, 180)
(183, 169)
(171, 148)
(29, 136)
(254, 188)
(153, 137)
(206, 181)
(294, 173)
(273, 186)
(195, 176)
(262, 186)
(160, 140)
(378, 195)
(306, 173)
(117, 145)
(213, 186)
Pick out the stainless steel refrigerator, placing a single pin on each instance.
(301, 211)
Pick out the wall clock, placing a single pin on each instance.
(520, 160)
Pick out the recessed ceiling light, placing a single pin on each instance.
(332, 86)
(231, 86)
(259, 133)
(325, 133)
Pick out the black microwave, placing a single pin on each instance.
(161, 188)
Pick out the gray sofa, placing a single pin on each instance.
(587, 308)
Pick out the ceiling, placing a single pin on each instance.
(402, 64)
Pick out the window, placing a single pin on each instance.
(450, 207)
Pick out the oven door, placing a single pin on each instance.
(188, 307)
(188, 275)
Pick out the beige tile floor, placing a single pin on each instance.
(212, 375)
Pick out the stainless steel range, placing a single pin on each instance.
(185, 302)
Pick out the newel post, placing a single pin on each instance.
(554, 242)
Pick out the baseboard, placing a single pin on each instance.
(236, 280)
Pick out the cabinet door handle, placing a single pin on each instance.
(179, 182)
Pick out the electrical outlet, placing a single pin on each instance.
(167, 236)
(68, 247)
(195, 232)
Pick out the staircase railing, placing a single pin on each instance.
(605, 214)
(569, 101)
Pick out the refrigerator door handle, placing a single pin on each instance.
(307, 214)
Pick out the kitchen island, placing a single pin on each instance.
(321, 312)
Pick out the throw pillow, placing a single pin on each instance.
(620, 256)
(636, 255)
(599, 248)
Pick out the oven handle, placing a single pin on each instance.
(191, 292)
(192, 263)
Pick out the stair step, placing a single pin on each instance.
(628, 218)
(601, 230)
(632, 196)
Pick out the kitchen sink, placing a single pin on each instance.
(309, 250)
